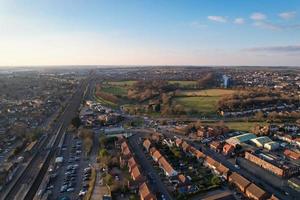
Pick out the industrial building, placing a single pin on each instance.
(236, 140)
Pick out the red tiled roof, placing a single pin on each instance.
(157, 155)
(292, 154)
(147, 143)
(135, 173)
(165, 165)
(255, 192)
(131, 163)
(145, 192)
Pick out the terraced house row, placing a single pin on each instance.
(138, 180)
(249, 189)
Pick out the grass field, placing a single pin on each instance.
(203, 101)
(115, 90)
(205, 105)
(209, 92)
(122, 83)
(243, 126)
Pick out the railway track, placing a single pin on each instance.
(35, 171)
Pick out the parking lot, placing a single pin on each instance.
(72, 175)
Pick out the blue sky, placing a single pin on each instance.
(145, 32)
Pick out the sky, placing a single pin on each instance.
(150, 32)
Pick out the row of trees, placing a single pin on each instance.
(254, 98)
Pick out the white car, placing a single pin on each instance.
(70, 189)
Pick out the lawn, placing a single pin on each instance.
(204, 105)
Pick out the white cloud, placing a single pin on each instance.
(258, 16)
(239, 21)
(287, 15)
(220, 19)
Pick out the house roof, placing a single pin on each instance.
(124, 145)
(178, 141)
(227, 148)
(211, 161)
(255, 191)
(135, 173)
(152, 150)
(222, 169)
(182, 178)
(157, 155)
(239, 180)
(131, 162)
(145, 192)
(166, 165)
(292, 154)
(199, 154)
(215, 144)
(185, 146)
(147, 143)
(126, 152)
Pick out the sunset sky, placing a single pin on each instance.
(149, 32)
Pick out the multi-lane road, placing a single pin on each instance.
(28, 182)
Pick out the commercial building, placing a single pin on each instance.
(265, 142)
(236, 140)
(294, 183)
(272, 165)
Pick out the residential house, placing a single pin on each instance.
(156, 156)
(168, 169)
(256, 193)
(292, 154)
(136, 174)
(228, 149)
(238, 180)
(145, 193)
(147, 144)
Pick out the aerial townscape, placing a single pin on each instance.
(150, 133)
(150, 100)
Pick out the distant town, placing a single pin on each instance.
(150, 133)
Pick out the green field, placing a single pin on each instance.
(202, 101)
(204, 105)
(115, 90)
(121, 83)
(208, 92)
(184, 83)
(243, 126)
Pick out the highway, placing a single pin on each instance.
(33, 175)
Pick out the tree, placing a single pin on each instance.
(103, 153)
(76, 122)
(215, 180)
